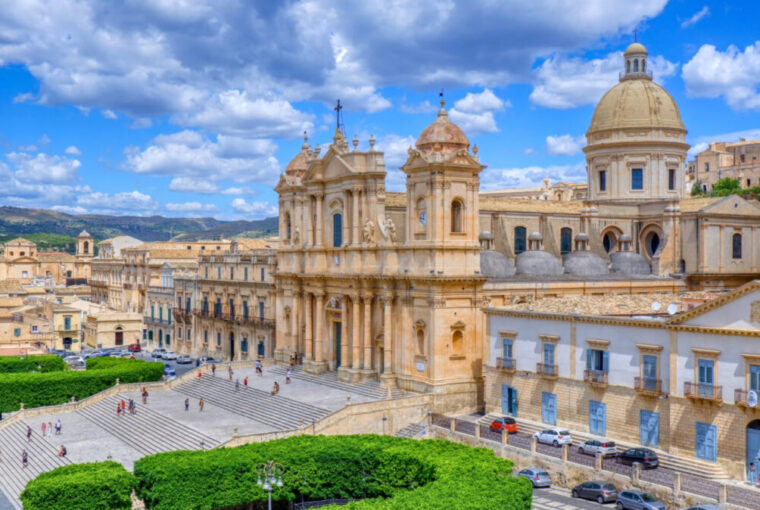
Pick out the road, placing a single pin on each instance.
(178, 368)
(560, 499)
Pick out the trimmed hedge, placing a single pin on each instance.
(95, 486)
(385, 472)
(36, 390)
(18, 364)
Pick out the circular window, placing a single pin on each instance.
(609, 241)
(652, 243)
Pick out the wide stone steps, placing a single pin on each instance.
(43, 456)
(370, 389)
(688, 466)
(147, 431)
(412, 431)
(276, 411)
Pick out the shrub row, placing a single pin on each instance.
(384, 472)
(51, 388)
(18, 364)
(96, 486)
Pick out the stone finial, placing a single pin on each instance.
(317, 150)
(355, 142)
(475, 149)
(371, 143)
(410, 150)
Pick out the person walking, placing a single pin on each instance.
(24, 458)
(258, 367)
(187, 404)
(50, 428)
(229, 371)
(201, 403)
(118, 409)
(245, 383)
(58, 427)
(199, 375)
(123, 406)
(145, 396)
(213, 369)
(44, 429)
(28, 433)
(287, 376)
(237, 384)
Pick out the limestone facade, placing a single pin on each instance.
(22, 260)
(739, 160)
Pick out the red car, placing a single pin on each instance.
(505, 423)
(134, 348)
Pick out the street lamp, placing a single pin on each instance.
(272, 476)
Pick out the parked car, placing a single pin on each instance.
(185, 359)
(75, 361)
(537, 476)
(504, 423)
(638, 500)
(169, 355)
(645, 456)
(157, 353)
(702, 507)
(134, 348)
(605, 447)
(601, 492)
(208, 359)
(555, 437)
(169, 373)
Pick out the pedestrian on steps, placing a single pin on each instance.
(258, 367)
(50, 428)
(145, 396)
(58, 427)
(44, 427)
(24, 459)
(62, 452)
(245, 383)
(230, 372)
(28, 433)
(287, 376)
(292, 362)
(237, 384)
(201, 403)
(199, 375)
(118, 409)
(213, 369)
(123, 406)
(187, 404)
(275, 388)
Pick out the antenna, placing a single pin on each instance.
(656, 306)
(635, 34)
(672, 308)
(339, 125)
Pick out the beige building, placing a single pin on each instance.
(110, 328)
(24, 329)
(739, 160)
(21, 260)
(559, 191)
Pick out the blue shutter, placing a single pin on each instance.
(337, 230)
(549, 408)
(605, 361)
(649, 428)
(589, 357)
(597, 417)
(707, 439)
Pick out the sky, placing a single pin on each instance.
(194, 107)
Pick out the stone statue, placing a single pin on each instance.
(297, 236)
(390, 229)
(369, 231)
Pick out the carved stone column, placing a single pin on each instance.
(319, 241)
(308, 310)
(355, 236)
(344, 332)
(367, 337)
(388, 378)
(319, 312)
(355, 340)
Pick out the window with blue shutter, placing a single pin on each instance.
(754, 377)
(549, 408)
(637, 178)
(549, 354)
(597, 417)
(705, 373)
(520, 238)
(707, 441)
(597, 360)
(649, 428)
(337, 230)
(649, 372)
(565, 240)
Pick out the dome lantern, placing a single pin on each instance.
(635, 57)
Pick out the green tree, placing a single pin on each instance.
(726, 186)
(696, 189)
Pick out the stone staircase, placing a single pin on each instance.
(147, 431)
(371, 389)
(276, 411)
(690, 466)
(43, 456)
(413, 430)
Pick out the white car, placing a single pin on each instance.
(554, 437)
(604, 447)
(169, 355)
(75, 361)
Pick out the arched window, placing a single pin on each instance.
(456, 216)
(520, 237)
(244, 345)
(609, 241)
(652, 243)
(565, 240)
(643, 65)
(636, 66)
(456, 342)
(421, 341)
(421, 214)
(337, 230)
(86, 247)
(627, 66)
(287, 226)
(736, 246)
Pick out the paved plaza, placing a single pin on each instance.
(97, 433)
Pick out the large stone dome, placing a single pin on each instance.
(442, 135)
(494, 264)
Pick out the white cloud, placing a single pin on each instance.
(700, 143)
(244, 190)
(44, 168)
(565, 145)
(563, 82)
(474, 112)
(27, 148)
(532, 176)
(128, 202)
(395, 150)
(732, 74)
(423, 107)
(69, 209)
(141, 123)
(23, 98)
(109, 114)
(254, 210)
(529, 151)
(72, 150)
(190, 207)
(189, 154)
(694, 19)
(193, 185)
(44, 140)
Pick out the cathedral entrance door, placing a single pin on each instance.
(336, 344)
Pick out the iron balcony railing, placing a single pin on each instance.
(547, 370)
(703, 391)
(505, 363)
(648, 385)
(595, 376)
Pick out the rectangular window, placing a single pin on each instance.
(232, 273)
(17, 332)
(649, 372)
(597, 360)
(245, 310)
(168, 340)
(602, 180)
(549, 408)
(160, 313)
(179, 333)
(245, 273)
(261, 310)
(205, 336)
(188, 333)
(218, 339)
(218, 272)
(649, 428)
(152, 312)
(707, 447)
(506, 348)
(549, 354)
(707, 167)
(205, 271)
(187, 305)
(67, 323)
(671, 179)
(262, 274)
(232, 308)
(754, 377)
(597, 417)
(169, 315)
(637, 178)
(145, 334)
(34, 329)
(705, 376)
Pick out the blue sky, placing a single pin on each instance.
(194, 107)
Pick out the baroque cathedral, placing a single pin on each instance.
(376, 284)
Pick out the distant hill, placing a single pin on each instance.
(56, 229)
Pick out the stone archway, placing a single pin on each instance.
(611, 239)
(753, 443)
(652, 240)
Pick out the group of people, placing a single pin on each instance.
(124, 407)
(201, 403)
(47, 430)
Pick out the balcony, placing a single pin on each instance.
(547, 371)
(648, 386)
(741, 398)
(595, 377)
(701, 391)
(506, 364)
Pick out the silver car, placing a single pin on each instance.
(702, 507)
(638, 500)
(604, 447)
(537, 476)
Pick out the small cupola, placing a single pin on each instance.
(635, 57)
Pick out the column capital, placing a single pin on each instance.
(367, 296)
(319, 195)
(387, 297)
(357, 188)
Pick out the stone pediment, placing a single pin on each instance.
(23, 260)
(331, 166)
(732, 205)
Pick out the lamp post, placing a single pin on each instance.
(272, 476)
